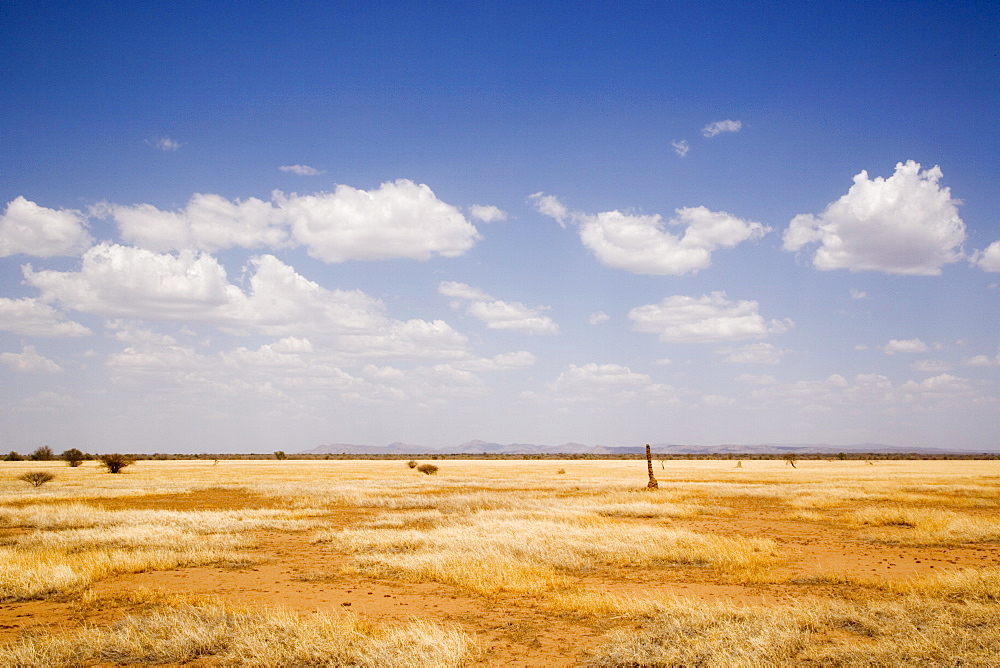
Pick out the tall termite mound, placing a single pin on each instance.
(649, 465)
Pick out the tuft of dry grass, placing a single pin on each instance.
(872, 633)
(903, 525)
(75, 545)
(493, 551)
(184, 633)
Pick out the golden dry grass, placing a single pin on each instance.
(493, 528)
(244, 637)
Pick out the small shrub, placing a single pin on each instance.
(279, 455)
(37, 478)
(13, 457)
(42, 454)
(73, 457)
(561, 471)
(412, 463)
(429, 469)
(115, 463)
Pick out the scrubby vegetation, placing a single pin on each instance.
(830, 563)
(114, 463)
(36, 478)
(73, 457)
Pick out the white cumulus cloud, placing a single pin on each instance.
(487, 214)
(754, 353)
(904, 346)
(301, 170)
(904, 224)
(718, 127)
(30, 229)
(642, 244)
(549, 205)
(607, 383)
(29, 360)
(598, 318)
(681, 147)
(32, 317)
(707, 319)
(499, 314)
(400, 219)
(989, 259)
(124, 282)
(208, 222)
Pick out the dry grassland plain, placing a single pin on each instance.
(501, 563)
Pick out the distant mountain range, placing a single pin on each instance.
(482, 447)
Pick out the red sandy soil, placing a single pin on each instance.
(513, 631)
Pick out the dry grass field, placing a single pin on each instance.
(501, 563)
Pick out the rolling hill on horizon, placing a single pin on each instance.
(477, 446)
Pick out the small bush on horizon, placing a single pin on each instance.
(13, 456)
(36, 478)
(73, 457)
(279, 455)
(429, 469)
(115, 462)
(42, 454)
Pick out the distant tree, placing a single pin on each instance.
(37, 478)
(280, 454)
(841, 456)
(13, 457)
(429, 469)
(115, 463)
(790, 458)
(73, 457)
(42, 454)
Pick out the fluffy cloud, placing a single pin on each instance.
(29, 361)
(642, 245)
(707, 319)
(982, 360)
(681, 147)
(301, 170)
(208, 222)
(31, 317)
(904, 346)
(989, 259)
(598, 317)
(124, 282)
(867, 390)
(398, 220)
(905, 224)
(487, 214)
(718, 127)
(499, 314)
(606, 382)
(35, 230)
(549, 205)
(755, 353)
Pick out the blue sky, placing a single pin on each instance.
(259, 226)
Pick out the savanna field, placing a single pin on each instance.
(501, 563)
